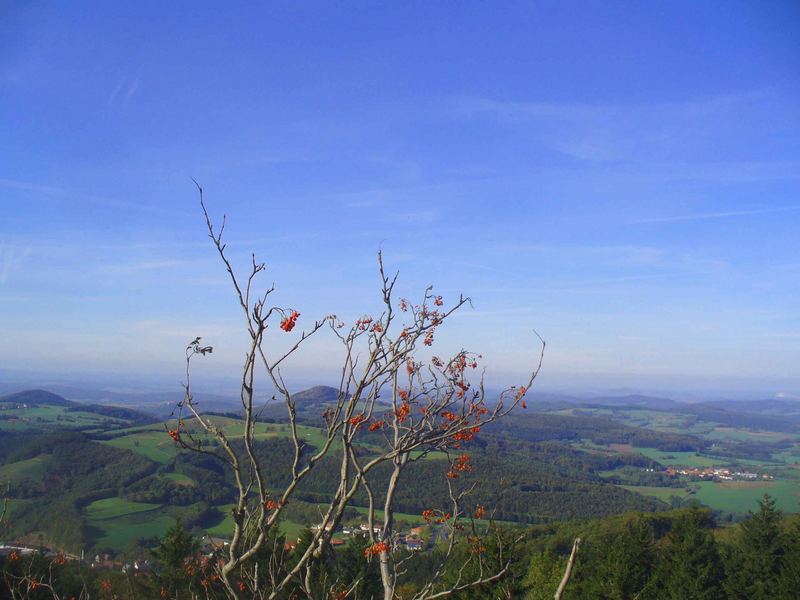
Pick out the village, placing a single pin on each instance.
(714, 473)
(416, 539)
(412, 540)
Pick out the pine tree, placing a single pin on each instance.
(172, 551)
(789, 579)
(756, 556)
(618, 566)
(689, 565)
(352, 565)
(544, 574)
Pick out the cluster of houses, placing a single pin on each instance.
(137, 567)
(12, 405)
(100, 561)
(716, 474)
(412, 540)
(9, 549)
(409, 540)
(6, 550)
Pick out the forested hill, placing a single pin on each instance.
(532, 467)
(540, 427)
(40, 410)
(35, 398)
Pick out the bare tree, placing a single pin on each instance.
(414, 407)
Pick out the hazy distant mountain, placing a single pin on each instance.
(31, 398)
(769, 406)
(35, 398)
(634, 400)
(319, 394)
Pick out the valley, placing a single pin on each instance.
(106, 478)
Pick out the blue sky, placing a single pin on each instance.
(623, 177)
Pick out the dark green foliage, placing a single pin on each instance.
(758, 555)
(617, 567)
(351, 565)
(689, 565)
(36, 398)
(543, 576)
(172, 554)
(117, 412)
(670, 556)
(77, 472)
(539, 427)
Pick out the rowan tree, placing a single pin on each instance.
(413, 402)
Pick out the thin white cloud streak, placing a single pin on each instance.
(141, 266)
(583, 111)
(62, 194)
(608, 133)
(715, 215)
(131, 91)
(116, 91)
(125, 89)
(11, 258)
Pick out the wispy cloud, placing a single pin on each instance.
(63, 194)
(603, 132)
(151, 265)
(131, 91)
(11, 258)
(571, 110)
(716, 215)
(124, 91)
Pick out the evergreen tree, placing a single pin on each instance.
(689, 565)
(756, 556)
(789, 579)
(617, 566)
(172, 552)
(321, 577)
(352, 565)
(544, 574)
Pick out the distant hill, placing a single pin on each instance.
(319, 394)
(158, 404)
(309, 404)
(541, 427)
(43, 398)
(117, 412)
(775, 406)
(634, 400)
(36, 398)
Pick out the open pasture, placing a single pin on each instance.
(111, 508)
(741, 496)
(153, 442)
(688, 459)
(32, 468)
(224, 527)
(54, 417)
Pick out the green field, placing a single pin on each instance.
(224, 528)
(118, 534)
(741, 496)
(32, 468)
(153, 442)
(689, 459)
(12, 505)
(788, 457)
(155, 445)
(662, 493)
(732, 496)
(742, 435)
(54, 417)
(117, 523)
(178, 478)
(111, 508)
